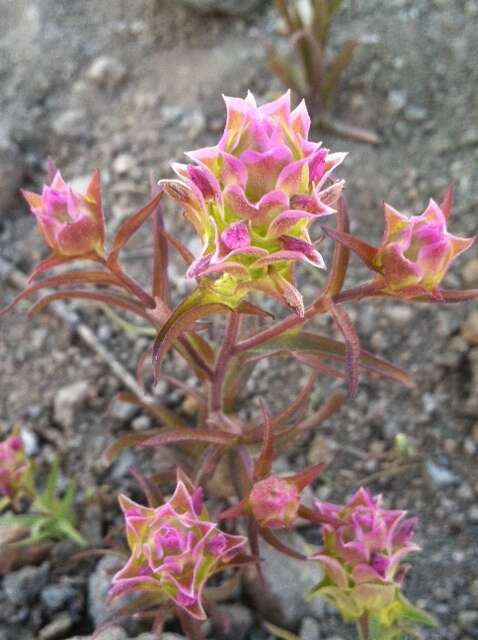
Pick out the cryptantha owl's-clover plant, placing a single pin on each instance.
(252, 199)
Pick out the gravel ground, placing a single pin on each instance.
(127, 86)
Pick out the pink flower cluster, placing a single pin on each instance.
(174, 549)
(71, 223)
(416, 252)
(14, 467)
(364, 546)
(252, 197)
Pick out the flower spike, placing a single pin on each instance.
(364, 548)
(252, 197)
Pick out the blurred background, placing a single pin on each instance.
(127, 87)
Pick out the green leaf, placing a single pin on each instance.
(48, 496)
(413, 614)
(66, 528)
(280, 633)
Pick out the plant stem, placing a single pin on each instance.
(363, 627)
(222, 361)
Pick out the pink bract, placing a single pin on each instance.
(174, 549)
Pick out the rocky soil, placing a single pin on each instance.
(127, 87)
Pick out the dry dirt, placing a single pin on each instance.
(417, 86)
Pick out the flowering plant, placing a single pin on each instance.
(252, 199)
(49, 516)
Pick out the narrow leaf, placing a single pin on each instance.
(127, 441)
(73, 277)
(185, 314)
(365, 251)
(271, 539)
(131, 225)
(264, 461)
(128, 304)
(336, 70)
(352, 347)
(193, 435)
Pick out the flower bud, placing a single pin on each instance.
(174, 549)
(14, 467)
(71, 223)
(274, 502)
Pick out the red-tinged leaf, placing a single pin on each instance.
(323, 347)
(160, 285)
(446, 205)
(340, 258)
(55, 261)
(73, 277)
(352, 347)
(163, 414)
(238, 373)
(271, 539)
(253, 537)
(336, 69)
(264, 461)
(237, 511)
(139, 605)
(193, 435)
(207, 464)
(150, 489)
(365, 251)
(451, 297)
(306, 477)
(127, 441)
(284, 70)
(314, 516)
(93, 193)
(130, 226)
(185, 254)
(345, 130)
(197, 363)
(131, 285)
(185, 314)
(319, 366)
(224, 590)
(202, 347)
(253, 310)
(331, 406)
(128, 304)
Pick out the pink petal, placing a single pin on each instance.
(236, 236)
(286, 221)
(310, 254)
